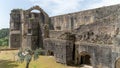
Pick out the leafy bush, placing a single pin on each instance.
(4, 35)
(4, 41)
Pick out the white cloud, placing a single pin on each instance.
(110, 2)
(56, 7)
(103, 3)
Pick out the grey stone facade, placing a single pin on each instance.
(89, 37)
(30, 26)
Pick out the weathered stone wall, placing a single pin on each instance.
(97, 29)
(15, 28)
(29, 25)
(30, 30)
(15, 41)
(62, 49)
(101, 32)
(34, 28)
(101, 55)
(55, 34)
(74, 20)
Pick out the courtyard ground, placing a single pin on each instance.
(8, 60)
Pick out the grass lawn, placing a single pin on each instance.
(7, 60)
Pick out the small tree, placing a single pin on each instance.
(27, 55)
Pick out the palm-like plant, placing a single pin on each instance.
(27, 55)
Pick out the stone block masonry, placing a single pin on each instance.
(90, 37)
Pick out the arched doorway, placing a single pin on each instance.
(84, 58)
(117, 63)
(50, 53)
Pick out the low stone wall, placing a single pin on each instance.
(62, 49)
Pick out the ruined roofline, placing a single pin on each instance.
(93, 9)
(72, 12)
(30, 9)
(17, 9)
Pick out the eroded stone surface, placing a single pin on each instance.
(71, 38)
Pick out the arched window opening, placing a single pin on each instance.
(35, 11)
(84, 58)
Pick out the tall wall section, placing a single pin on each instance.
(74, 20)
(15, 28)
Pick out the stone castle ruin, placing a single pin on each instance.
(89, 37)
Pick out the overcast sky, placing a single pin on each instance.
(52, 7)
